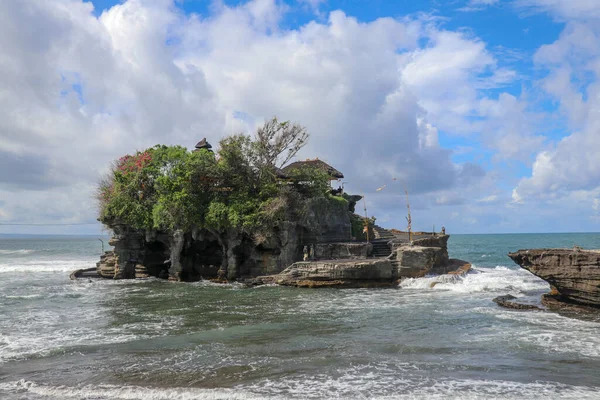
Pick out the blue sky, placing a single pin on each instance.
(485, 109)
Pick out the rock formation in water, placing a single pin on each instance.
(424, 256)
(574, 274)
(238, 213)
(510, 301)
(234, 254)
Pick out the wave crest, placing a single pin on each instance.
(498, 279)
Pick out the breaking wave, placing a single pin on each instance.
(498, 279)
(44, 266)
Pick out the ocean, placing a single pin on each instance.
(153, 339)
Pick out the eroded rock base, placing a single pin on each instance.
(367, 273)
(560, 303)
(574, 274)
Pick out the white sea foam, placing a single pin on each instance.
(547, 332)
(391, 382)
(487, 389)
(498, 279)
(19, 251)
(309, 387)
(98, 392)
(44, 266)
(41, 328)
(21, 345)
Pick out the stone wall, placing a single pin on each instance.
(335, 251)
(326, 220)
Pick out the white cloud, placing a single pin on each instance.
(488, 199)
(85, 90)
(509, 127)
(573, 64)
(449, 199)
(314, 4)
(564, 9)
(477, 5)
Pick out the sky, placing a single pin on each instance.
(487, 111)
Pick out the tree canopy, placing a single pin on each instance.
(169, 187)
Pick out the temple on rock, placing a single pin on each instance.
(327, 236)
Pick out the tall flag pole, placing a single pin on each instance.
(408, 217)
(366, 217)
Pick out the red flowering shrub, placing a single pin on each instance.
(128, 163)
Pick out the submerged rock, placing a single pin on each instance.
(508, 301)
(574, 274)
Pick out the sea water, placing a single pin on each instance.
(432, 338)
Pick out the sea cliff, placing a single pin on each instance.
(230, 254)
(574, 274)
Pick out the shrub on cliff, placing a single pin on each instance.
(169, 187)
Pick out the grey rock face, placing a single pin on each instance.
(508, 301)
(375, 269)
(326, 221)
(574, 274)
(177, 241)
(343, 273)
(417, 261)
(334, 251)
(406, 262)
(228, 255)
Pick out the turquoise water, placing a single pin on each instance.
(491, 250)
(152, 339)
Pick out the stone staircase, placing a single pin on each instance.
(382, 233)
(380, 242)
(381, 248)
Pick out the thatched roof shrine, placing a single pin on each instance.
(203, 144)
(316, 163)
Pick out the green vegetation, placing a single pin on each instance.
(169, 187)
(339, 199)
(358, 226)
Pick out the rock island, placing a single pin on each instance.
(246, 212)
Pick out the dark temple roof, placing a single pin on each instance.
(316, 163)
(203, 144)
(280, 174)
